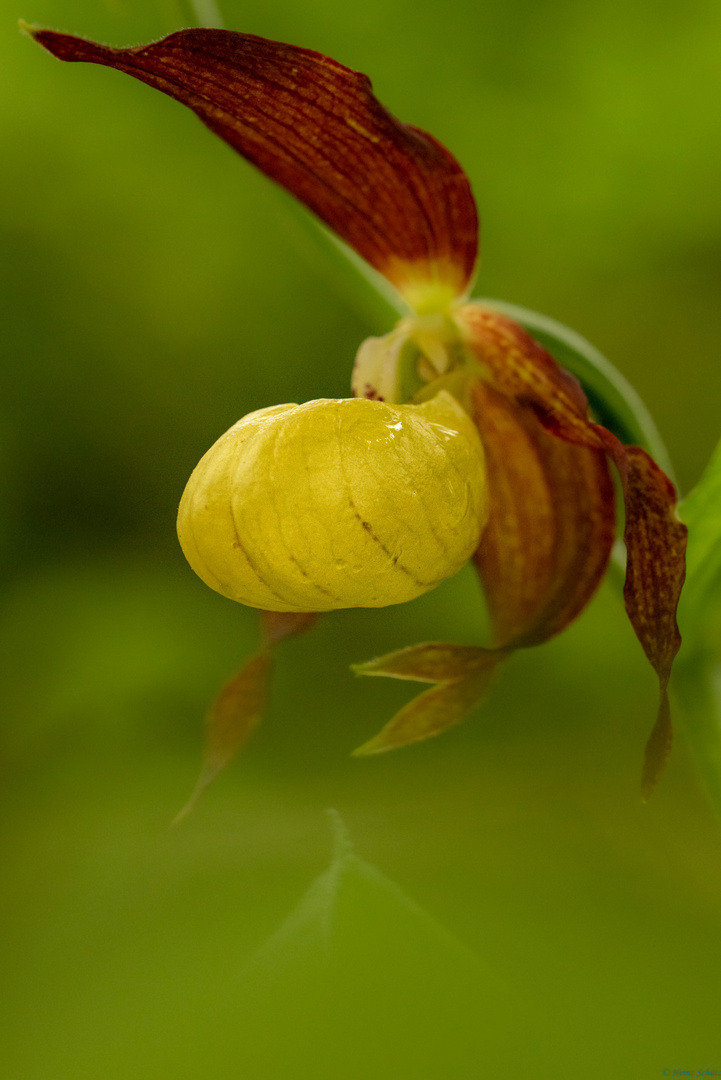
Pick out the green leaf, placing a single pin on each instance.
(350, 888)
(701, 511)
(613, 400)
(697, 680)
(360, 981)
(697, 686)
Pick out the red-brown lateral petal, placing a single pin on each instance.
(521, 369)
(538, 392)
(656, 543)
(549, 537)
(388, 189)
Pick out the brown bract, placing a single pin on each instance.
(403, 203)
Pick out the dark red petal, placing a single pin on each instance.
(388, 189)
(549, 537)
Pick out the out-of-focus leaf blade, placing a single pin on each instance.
(313, 926)
(698, 678)
(358, 965)
(697, 685)
(701, 511)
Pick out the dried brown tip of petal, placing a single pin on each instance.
(549, 537)
(388, 189)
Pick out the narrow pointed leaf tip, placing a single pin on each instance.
(390, 190)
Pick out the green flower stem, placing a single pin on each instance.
(207, 14)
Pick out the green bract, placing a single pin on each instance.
(336, 503)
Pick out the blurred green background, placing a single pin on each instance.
(154, 289)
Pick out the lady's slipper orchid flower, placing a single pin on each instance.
(371, 500)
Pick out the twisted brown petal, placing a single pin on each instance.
(538, 391)
(656, 544)
(389, 190)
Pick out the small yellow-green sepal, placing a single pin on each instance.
(433, 661)
(462, 674)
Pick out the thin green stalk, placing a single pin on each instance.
(207, 13)
(697, 685)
